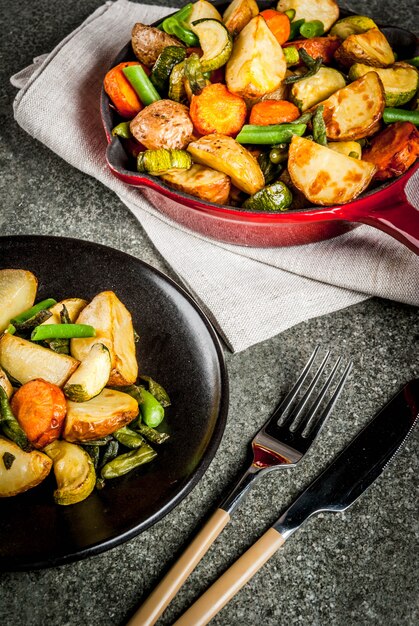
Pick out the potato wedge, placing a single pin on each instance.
(74, 472)
(371, 48)
(353, 112)
(400, 81)
(19, 470)
(202, 182)
(324, 176)
(74, 307)
(238, 14)
(224, 154)
(100, 416)
(148, 42)
(17, 293)
(312, 90)
(5, 383)
(25, 361)
(257, 64)
(203, 10)
(163, 124)
(327, 11)
(113, 324)
(91, 376)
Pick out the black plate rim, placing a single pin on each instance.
(10, 564)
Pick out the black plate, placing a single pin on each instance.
(177, 347)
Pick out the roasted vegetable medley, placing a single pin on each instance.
(69, 397)
(269, 110)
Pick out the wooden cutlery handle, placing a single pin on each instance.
(221, 592)
(165, 591)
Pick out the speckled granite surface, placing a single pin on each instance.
(355, 569)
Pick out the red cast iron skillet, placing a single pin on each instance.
(385, 207)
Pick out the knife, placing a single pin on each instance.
(336, 489)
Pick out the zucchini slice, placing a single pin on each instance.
(310, 91)
(167, 59)
(194, 74)
(273, 198)
(400, 81)
(24, 361)
(324, 176)
(74, 472)
(352, 25)
(19, 470)
(91, 375)
(177, 91)
(158, 162)
(216, 43)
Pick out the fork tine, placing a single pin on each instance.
(306, 422)
(292, 418)
(330, 405)
(290, 397)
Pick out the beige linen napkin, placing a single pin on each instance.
(250, 294)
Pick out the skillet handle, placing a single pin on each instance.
(391, 212)
(166, 590)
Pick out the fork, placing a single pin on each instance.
(281, 442)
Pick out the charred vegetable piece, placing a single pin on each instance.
(393, 150)
(313, 66)
(178, 25)
(18, 320)
(319, 127)
(157, 162)
(216, 43)
(94, 453)
(121, 92)
(141, 83)
(125, 463)
(217, 110)
(273, 198)
(32, 322)
(110, 452)
(168, 58)
(158, 391)
(91, 376)
(194, 74)
(371, 48)
(202, 182)
(269, 135)
(148, 42)
(74, 472)
(151, 434)
(324, 176)
(9, 424)
(352, 25)
(40, 409)
(310, 91)
(238, 14)
(400, 81)
(128, 437)
(27, 470)
(327, 11)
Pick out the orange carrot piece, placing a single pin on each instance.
(273, 112)
(121, 92)
(324, 47)
(40, 408)
(279, 24)
(217, 110)
(393, 150)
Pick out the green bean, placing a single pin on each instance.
(319, 127)
(295, 28)
(129, 438)
(33, 321)
(151, 410)
(314, 28)
(141, 84)
(270, 170)
(269, 135)
(124, 463)
(122, 130)
(10, 329)
(157, 390)
(303, 119)
(414, 61)
(151, 434)
(10, 426)
(110, 452)
(62, 331)
(279, 153)
(22, 317)
(400, 115)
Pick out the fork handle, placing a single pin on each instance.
(160, 597)
(221, 592)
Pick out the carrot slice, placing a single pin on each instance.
(273, 112)
(393, 150)
(324, 47)
(278, 23)
(121, 92)
(217, 110)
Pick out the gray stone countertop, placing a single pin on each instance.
(353, 569)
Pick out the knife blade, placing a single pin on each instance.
(335, 490)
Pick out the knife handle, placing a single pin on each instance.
(221, 592)
(160, 597)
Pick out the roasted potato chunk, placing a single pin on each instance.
(224, 154)
(19, 470)
(257, 64)
(309, 91)
(203, 10)
(393, 150)
(17, 294)
(238, 14)
(371, 48)
(327, 11)
(324, 176)
(113, 324)
(163, 124)
(148, 42)
(202, 182)
(74, 307)
(354, 111)
(100, 416)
